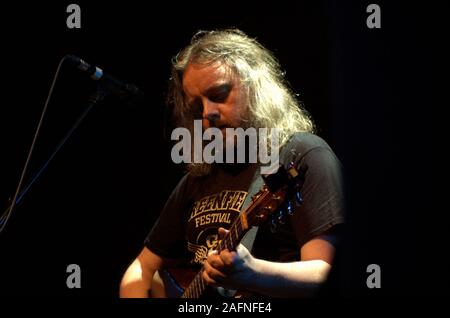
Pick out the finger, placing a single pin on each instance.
(222, 232)
(212, 252)
(223, 259)
(214, 260)
(208, 280)
(211, 275)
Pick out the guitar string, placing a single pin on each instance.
(198, 285)
(237, 225)
(198, 278)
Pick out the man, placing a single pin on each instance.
(228, 80)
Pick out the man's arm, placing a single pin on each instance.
(296, 279)
(137, 280)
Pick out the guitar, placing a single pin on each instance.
(272, 201)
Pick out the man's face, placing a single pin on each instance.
(214, 95)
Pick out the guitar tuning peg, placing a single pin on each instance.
(290, 209)
(281, 217)
(273, 225)
(298, 198)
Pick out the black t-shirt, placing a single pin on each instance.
(198, 206)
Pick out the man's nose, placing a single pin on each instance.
(211, 112)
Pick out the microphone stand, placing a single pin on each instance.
(94, 99)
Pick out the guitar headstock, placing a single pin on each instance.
(275, 199)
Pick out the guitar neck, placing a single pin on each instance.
(235, 234)
(279, 185)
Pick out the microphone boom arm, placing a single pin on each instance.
(97, 97)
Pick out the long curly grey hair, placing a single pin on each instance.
(270, 101)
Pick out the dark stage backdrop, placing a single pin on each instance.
(367, 90)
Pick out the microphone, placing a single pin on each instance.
(110, 82)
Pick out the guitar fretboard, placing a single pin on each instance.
(235, 234)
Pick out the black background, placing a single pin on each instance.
(367, 89)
